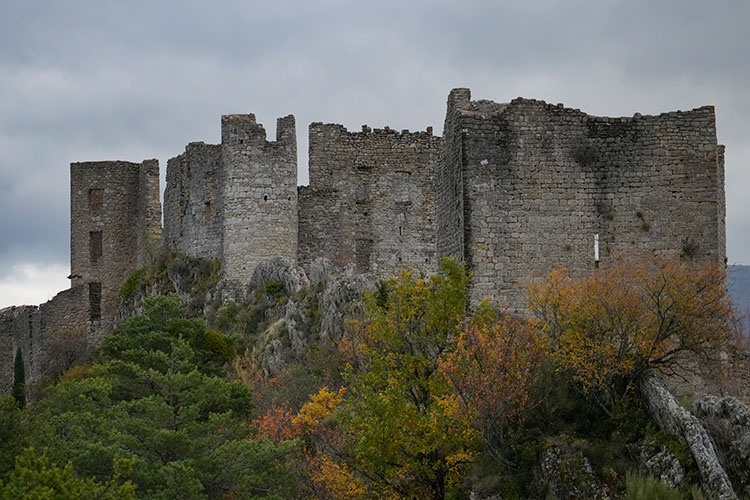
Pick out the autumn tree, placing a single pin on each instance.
(612, 328)
(400, 419)
(490, 370)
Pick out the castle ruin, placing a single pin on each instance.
(515, 190)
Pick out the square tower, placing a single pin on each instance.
(115, 218)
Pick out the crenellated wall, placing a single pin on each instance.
(260, 194)
(371, 199)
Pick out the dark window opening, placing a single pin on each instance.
(364, 251)
(95, 246)
(96, 200)
(95, 301)
(208, 211)
(265, 197)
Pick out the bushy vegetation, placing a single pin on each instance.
(421, 398)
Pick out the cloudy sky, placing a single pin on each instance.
(103, 80)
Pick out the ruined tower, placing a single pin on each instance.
(259, 194)
(115, 217)
(524, 187)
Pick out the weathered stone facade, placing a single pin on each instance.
(516, 190)
(523, 188)
(371, 200)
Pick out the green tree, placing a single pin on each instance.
(155, 411)
(12, 433)
(19, 380)
(36, 478)
(405, 433)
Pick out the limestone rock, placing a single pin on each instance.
(570, 476)
(727, 421)
(661, 463)
(281, 270)
(341, 300)
(320, 270)
(672, 417)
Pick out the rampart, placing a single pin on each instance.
(371, 199)
(535, 182)
(515, 190)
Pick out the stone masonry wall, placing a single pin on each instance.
(540, 180)
(371, 199)
(193, 201)
(149, 211)
(259, 194)
(28, 327)
(107, 218)
(17, 326)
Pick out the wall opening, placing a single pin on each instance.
(96, 200)
(95, 301)
(208, 210)
(364, 251)
(95, 246)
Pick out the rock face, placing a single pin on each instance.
(663, 464)
(672, 417)
(727, 421)
(281, 270)
(570, 476)
(341, 300)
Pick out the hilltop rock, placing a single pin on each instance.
(727, 421)
(672, 417)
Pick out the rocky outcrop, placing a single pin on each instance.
(280, 270)
(672, 417)
(661, 463)
(570, 476)
(341, 300)
(727, 421)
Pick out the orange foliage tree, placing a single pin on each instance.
(490, 370)
(635, 317)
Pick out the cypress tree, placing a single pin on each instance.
(19, 380)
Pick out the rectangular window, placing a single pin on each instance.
(95, 246)
(95, 301)
(96, 200)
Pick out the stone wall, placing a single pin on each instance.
(17, 325)
(29, 327)
(193, 201)
(540, 180)
(260, 194)
(113, 205)
(371, 199)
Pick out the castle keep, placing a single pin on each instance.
(515, 190)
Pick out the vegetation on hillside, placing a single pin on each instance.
(421, 398)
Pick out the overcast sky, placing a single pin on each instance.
(105, 80)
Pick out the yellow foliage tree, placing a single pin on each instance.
(635, 317)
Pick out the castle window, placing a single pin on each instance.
(95, 301)
(265, 197)
(95, 246)
(208, 211)
(96, 200)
